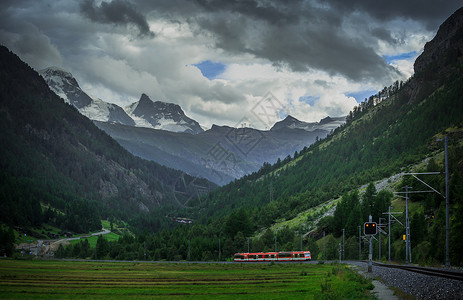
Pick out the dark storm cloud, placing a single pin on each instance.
(276, 12)
(117, 12)
(31, 45)
(297, 36)
(308, 34)
(384, 35)
(430, 13)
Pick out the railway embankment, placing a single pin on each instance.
(416, 284)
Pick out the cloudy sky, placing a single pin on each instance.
(223, 60)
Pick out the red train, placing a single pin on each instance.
(273, 256)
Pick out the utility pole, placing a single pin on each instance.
(407, 228)
(340, 250)
(219, 249)
(248, 245)
(301, 241)
(379, 246)
(447, 204)
(389, 236)
(189, 250)
(360, 244)
(275, 242)
(144, 250)
(324, 258)
(343, 256)
(370, 254)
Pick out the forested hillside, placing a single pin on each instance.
(54, 157)
(385, 135)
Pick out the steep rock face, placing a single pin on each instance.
(439, 60)
(162, 115)
(446, 46)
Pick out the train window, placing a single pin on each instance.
(259, 256)
(284, 254)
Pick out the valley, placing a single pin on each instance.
(161, 132)
(74, 163)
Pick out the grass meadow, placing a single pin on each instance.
(48, 279)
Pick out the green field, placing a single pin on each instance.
(92, 240)
(96, 280)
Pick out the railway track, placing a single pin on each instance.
(423, 270)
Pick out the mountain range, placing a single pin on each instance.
(143, 113)
(161, 132)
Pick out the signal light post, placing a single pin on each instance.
(370, 228)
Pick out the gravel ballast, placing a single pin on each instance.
(418, 285)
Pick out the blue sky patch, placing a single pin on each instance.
(210, 69)
(309, 99)
(408, 55)
(361, 95)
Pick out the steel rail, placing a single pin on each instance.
(427, 271)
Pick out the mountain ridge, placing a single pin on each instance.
(53, 154)
(328, 123)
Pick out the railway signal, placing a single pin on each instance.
(370, 228)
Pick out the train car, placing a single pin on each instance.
(273, 256)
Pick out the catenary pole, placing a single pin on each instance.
(379, 244)
(447, 204)
(406, 225)
(360, 244)
(324, 258)
(389, 237)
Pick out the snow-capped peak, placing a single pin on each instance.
(65, 86)
(143, 113)
(161, 115)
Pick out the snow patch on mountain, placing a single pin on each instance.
(56, 79)
(98, 110)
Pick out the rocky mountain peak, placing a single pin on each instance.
(65, 85)
(326, 124)
(288, 122)
(55, 71)
(162, 115)
(144, 99)
(326, 120)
